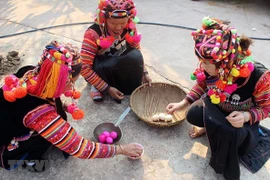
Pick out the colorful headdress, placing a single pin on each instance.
(219, 44)
(117, 9)
(58, 65)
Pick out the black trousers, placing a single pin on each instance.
(123, 72)
(31, 149)
(227, 143)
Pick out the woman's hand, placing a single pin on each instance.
(133, 150)
(176, 106)
(237, 118)
(147, 79)
(115, 93)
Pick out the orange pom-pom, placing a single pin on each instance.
(20, 92)
(244, 72)
(78, 114)
(248, 52)
(221, 84)
(9, 96)
(76, 94)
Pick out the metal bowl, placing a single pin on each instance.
(107, 126)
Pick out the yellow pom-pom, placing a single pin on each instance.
(215, 99)
(57, 55)
(235, 72)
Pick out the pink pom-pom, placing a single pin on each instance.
(106, 133)
(211, 92)
(105, 43)
(200, 76)
(113, 135)
(109, 140)
(6, 88)
(250, 66)
(71, 108)
(131, 25)
(102, 138)
(68, 93)
(63, 57)
(230, 88)
(137, 38)
(69, 60)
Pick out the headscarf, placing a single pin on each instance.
(117, 9)
(219, 44)
(59, 63)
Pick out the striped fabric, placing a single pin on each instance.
(261, 97)
(53, 128)
(89, 51)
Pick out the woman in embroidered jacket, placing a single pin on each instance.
(231, 97)
(32, 114)
(111, 56)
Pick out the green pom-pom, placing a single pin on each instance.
(247, 59)
(233, 31)
(193, 77)
(208, 22)
(136, 20)
(132, 33)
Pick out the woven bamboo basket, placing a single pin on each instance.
(145, 101)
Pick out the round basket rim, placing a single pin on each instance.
(155, 124)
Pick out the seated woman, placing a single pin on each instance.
(32, 115)
(110, 53)
(230, 99)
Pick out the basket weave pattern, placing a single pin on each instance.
(145, 101)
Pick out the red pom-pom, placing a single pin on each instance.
(244, 72)
(222, 97)
(11, 81)
(78, 114)
(9, 96)
(20, 92)
(68, 93)
(133, 39)
(76, 94)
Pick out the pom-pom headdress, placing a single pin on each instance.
(218, 43)
(58, 65)
(117, 9)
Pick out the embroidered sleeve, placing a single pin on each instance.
(54, 129)
(88, 53)
(261, 96)
(196, 92)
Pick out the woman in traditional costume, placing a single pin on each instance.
(33, 116)
(230, 98)
(110, 53)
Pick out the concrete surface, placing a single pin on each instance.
(169, 153)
